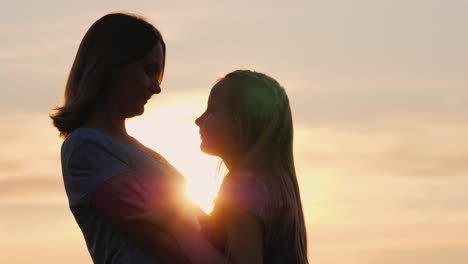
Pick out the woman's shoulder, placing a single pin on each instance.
(84, 134)
(86, 138)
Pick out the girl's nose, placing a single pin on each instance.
(198, 121)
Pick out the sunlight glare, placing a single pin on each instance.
(170, 130)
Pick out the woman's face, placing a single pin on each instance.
(134, 84)
(217, 130)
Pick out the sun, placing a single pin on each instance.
(170, 130)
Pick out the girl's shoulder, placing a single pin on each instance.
(248, 183)
(245, 190)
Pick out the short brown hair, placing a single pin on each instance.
(113, 41)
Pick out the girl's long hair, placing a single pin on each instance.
(262, 114)
(113, 41)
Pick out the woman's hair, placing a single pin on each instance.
(113, 41)
(261, 112)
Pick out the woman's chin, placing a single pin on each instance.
(135, 112)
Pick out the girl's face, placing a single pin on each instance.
(217, 130)
(134, 84)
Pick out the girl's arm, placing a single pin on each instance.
(244, 240)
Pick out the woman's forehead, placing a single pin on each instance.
(155, 55)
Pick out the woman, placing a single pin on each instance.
(258, 215)
(119, 66)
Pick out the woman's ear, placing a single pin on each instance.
(107, 80)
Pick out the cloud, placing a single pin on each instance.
(426, 255)
(369, 78)
(358, 184)
(429, 242)
(380, 106)
(31, 184)
(409, 149)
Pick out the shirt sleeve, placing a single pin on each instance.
(87, 166)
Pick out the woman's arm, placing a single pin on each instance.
(107, 200)
(244, 231)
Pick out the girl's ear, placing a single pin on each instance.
(238, 130)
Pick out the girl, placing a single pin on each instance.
(258, 215)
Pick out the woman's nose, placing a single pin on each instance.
(156, 88)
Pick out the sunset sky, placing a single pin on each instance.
(379, 93)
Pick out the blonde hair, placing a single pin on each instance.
(113, 41)
(261, 111)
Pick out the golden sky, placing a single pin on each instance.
(379, 92)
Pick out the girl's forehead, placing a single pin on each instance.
(221, 90)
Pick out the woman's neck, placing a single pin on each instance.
(109, 121)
